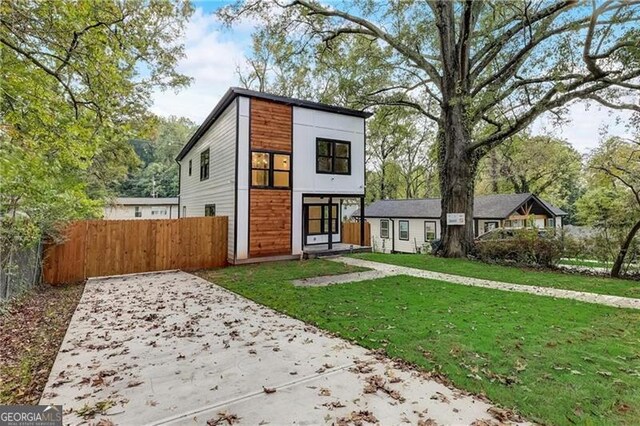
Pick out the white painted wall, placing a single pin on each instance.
(219, 189)
(120, 212)
(416, 235)
(308, 125)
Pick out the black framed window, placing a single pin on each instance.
(270, 170)
(384, 228)
(429, 230)
(137, 211)
(209, 209)
(403, 230)
(333, 156)
(190, 164)
(550, 223)
(318, 219)
(204, 164)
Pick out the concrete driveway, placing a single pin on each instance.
(172, 348)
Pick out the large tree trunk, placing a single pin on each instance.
(457, 181)
(622, 254)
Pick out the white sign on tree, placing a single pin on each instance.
(455, 218)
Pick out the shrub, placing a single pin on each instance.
(525, 247)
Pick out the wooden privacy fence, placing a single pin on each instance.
(351, 233)
(112, 247)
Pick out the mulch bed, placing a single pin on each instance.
(32, 328)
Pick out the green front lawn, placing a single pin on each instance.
(555, 361)
(509, 274)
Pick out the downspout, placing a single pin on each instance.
(179, 188)
(393, 236)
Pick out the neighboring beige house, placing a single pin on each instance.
(409, 226)
(142, 208)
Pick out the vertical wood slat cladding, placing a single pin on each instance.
(113, 247)
(271, 126)
(270, 222)
(270, 209)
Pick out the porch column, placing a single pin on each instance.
(330, 240)
(362, 221)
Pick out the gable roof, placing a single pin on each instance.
(144, 201)
(497, 206)
(234, 92)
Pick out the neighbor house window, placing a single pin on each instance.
(489, 226)
(551, 223)
(137, 211)
(158, 211)
(513, 223)
(333, 156)
(204, 165)
(209, 209)
(403, 228)
(184, 211)
(429, 230)
(190, 164)
(384, 228)
(270, 170)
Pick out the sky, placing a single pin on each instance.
(213, 55)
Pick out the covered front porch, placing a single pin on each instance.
(328, 225)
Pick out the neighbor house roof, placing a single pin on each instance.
(484, 207)
(144, 201)
(234, 92)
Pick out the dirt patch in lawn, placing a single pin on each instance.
(32, 328)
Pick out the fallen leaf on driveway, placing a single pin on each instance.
(324, 392)
(268, 390)
(357, 418)
(503, 415)
(427, 422)
(224, 417)
(134, 383)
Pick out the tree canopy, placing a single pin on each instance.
(483, 71)
(76, 84)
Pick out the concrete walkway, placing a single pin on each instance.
(172, 348)
(387, 270)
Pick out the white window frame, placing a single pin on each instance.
(384, 235)
(400, 222)
(435, 230)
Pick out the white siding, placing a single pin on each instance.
(243, 179)
(128, 212)
(219, 189)
(416, 235)
(308, 125)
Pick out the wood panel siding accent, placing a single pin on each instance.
(271, 125)
(113, 247)
(269, 222)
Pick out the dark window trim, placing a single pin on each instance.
(435, 230)
(205, 176)
(400, 230)
(333, 157)
(322, 219)
(209, 206)
(486, 222)
(387, 222)
(190, 163)
(270, 170)
(137, 211)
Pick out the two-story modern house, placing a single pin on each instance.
(279, 168)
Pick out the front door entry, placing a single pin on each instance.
(316, 222)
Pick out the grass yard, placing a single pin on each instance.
(509, 274)
(32, 328)
(554, 361)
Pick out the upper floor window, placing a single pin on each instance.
(550, 223)
(204, 164)
(333, 156)
(270, 170)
